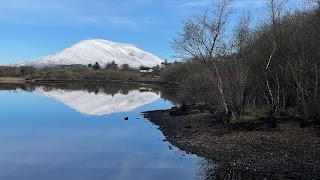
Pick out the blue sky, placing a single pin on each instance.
(33, 28)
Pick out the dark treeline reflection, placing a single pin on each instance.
(208, 169)
(110, 89)
(11, 87)
(167, 93)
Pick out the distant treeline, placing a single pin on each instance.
(110, 72)
(270, 68)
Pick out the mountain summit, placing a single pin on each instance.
(98, 50)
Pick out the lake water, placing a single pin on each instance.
(75, 134)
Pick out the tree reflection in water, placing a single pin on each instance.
(208, 169)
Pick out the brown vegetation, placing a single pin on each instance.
(269, 70)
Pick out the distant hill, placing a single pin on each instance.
(97, 50)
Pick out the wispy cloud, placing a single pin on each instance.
(71, 12)
(122, 13)
(187, 3)
(248, 3)
(196, 3)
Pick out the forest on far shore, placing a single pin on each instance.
(92, 72)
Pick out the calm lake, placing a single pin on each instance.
(68, 132)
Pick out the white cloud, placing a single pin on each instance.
(70, 12)
(197, 3)
(123, 13)
(186, 3)
(248, 3)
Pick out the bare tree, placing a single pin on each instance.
(238, 69)
(275, 8)
(316, 2)
(201, 39)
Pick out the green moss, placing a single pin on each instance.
(245, 119)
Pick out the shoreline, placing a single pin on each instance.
(13, 80)
(40, 81)
(286, 151)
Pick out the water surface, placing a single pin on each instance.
(69, 133)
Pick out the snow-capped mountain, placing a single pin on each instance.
(101, 103)
(98, 50)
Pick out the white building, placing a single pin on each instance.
(146, 70)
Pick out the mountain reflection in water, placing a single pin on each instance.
(99, 103)
(41, 137)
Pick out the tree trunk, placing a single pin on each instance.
(220, 86)
(266, 73)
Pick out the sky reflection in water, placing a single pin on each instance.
(44, 138)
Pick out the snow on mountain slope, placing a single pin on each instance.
(98, 50)
(101, 103)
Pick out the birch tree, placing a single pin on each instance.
(201, 38)
(275, 8)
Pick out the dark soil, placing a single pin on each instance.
(286, 151)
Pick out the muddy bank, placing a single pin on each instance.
(12, 80)
(43, 81)
(284, 152)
